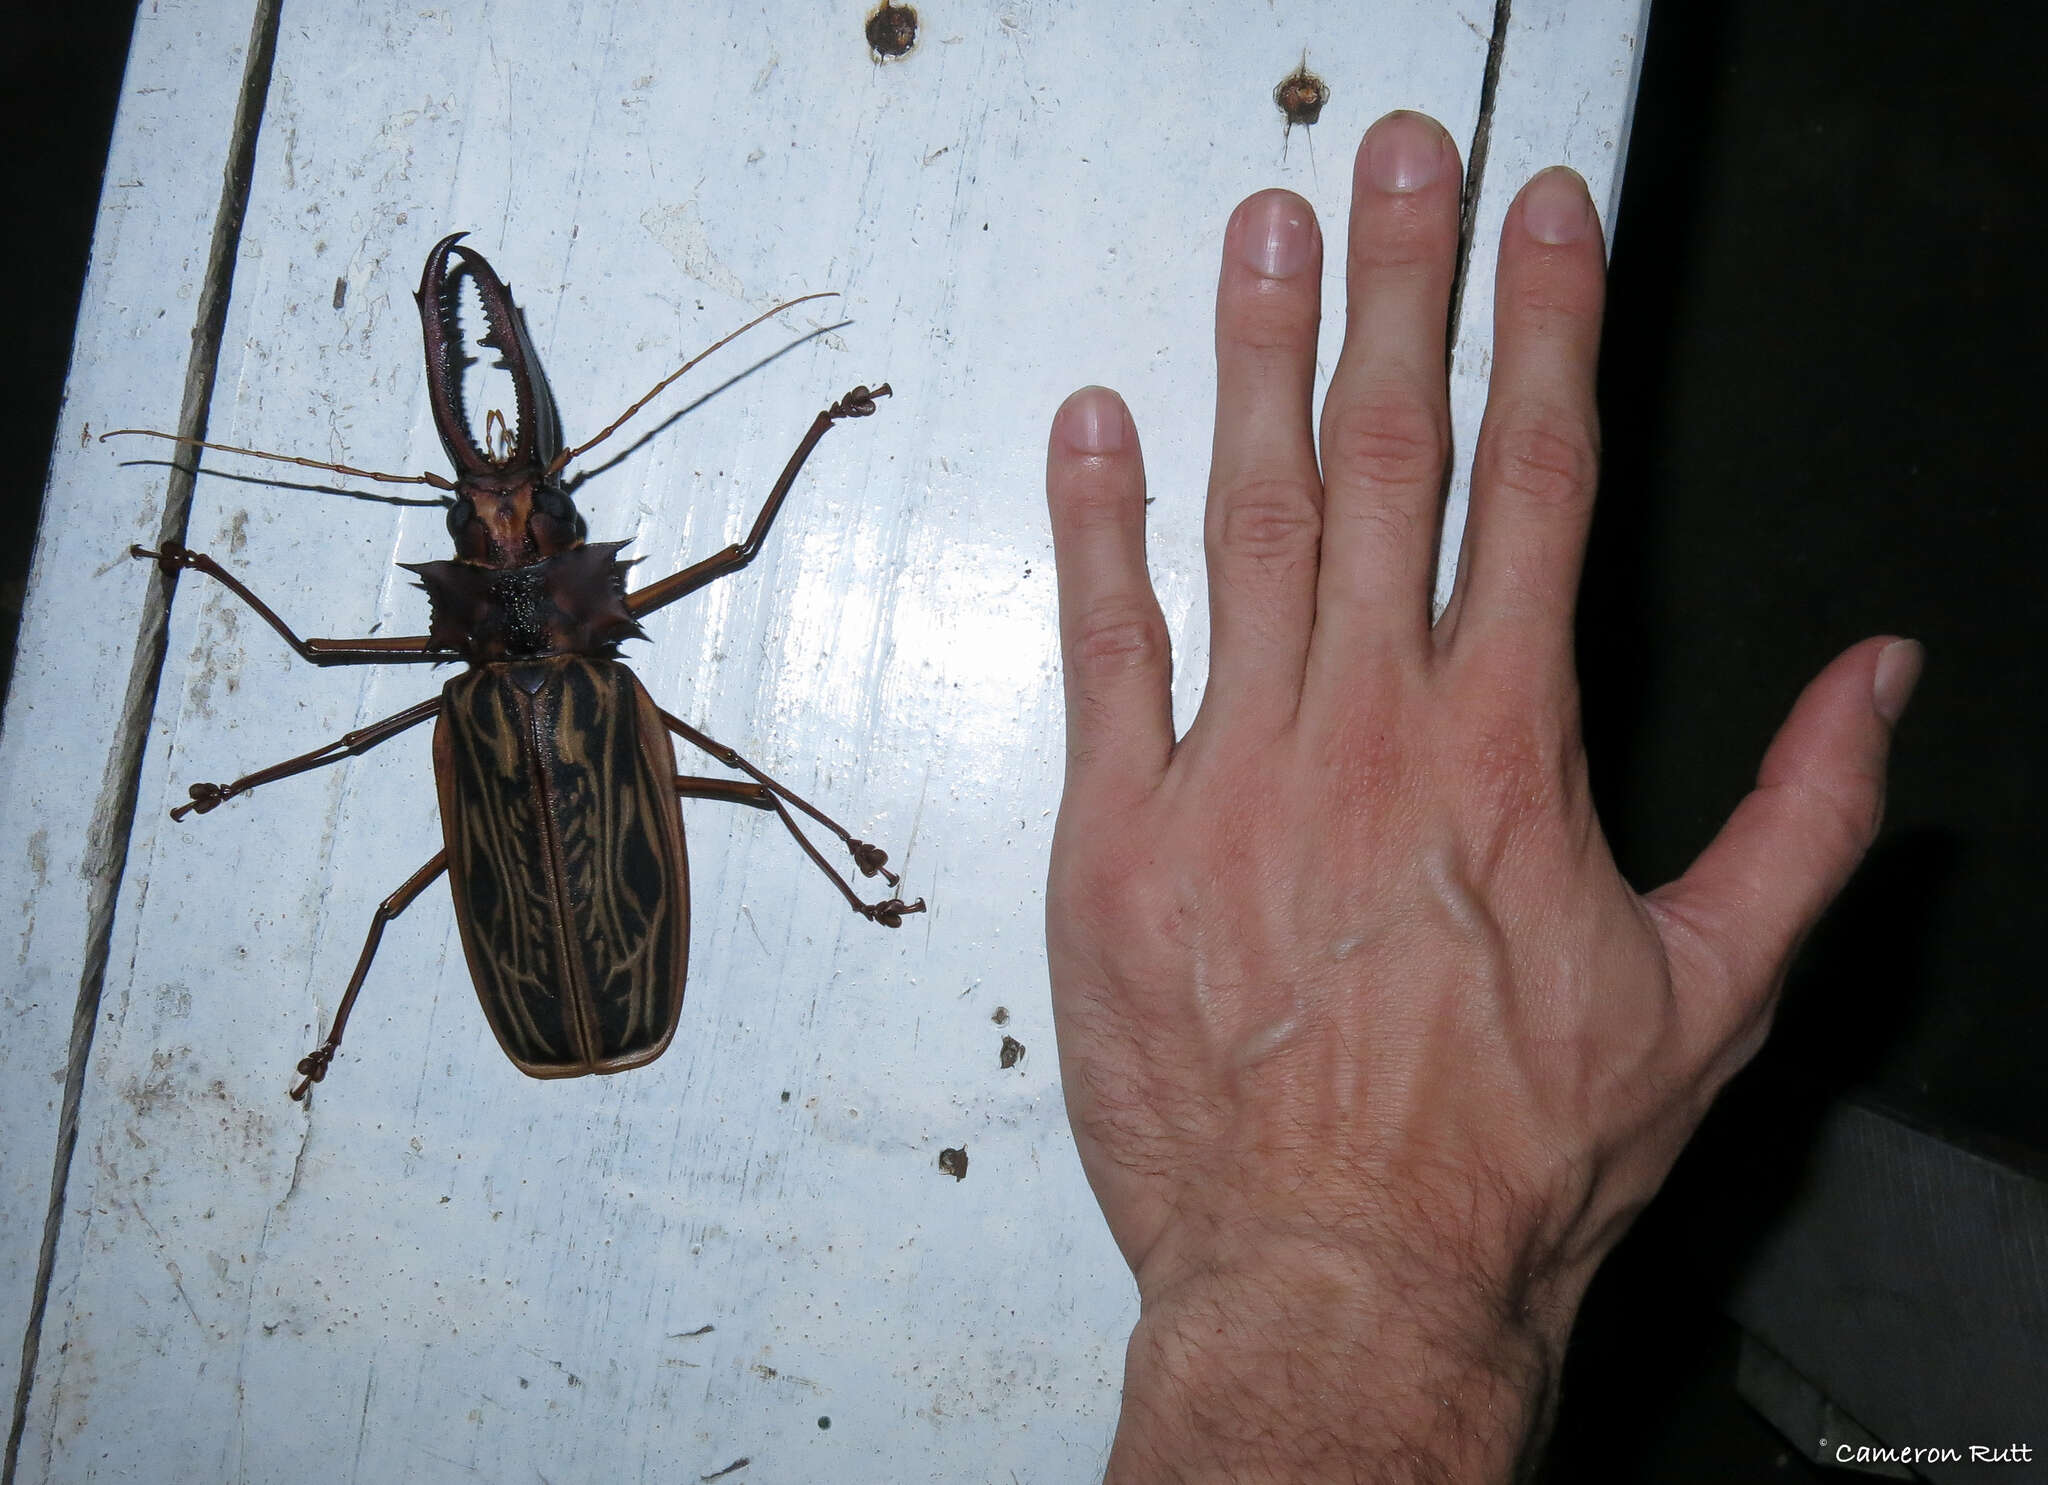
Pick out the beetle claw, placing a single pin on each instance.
(859, 403)
(173, 559)
(890, 914)
(205, 797)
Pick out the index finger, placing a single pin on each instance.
(1112, 634)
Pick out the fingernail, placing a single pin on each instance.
(1556, 208)
(1898, 672)
(1272, 234)
(1092, 421)
(1404, 152)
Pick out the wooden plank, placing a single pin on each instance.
(1907, 1281)
(1563, 93)
(80, 695)
(1807, 1417)
(444, 1270)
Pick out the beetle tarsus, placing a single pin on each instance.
(314, 1066)
(889, 914)
(859, 403)
(205, 797)
(173, 559)
(873, 861)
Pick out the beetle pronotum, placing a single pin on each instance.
(562, 833)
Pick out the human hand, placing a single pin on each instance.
(1370, 1052)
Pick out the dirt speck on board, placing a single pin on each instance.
(1002, 1016)
(891, 30)
(953, 1163)
(1013, 1051)
(738, 1464)
(1301, 96)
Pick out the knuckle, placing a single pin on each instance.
(1551, 304)
(1273, 321)
(1268, 520)
(1095, 494)
(1844, 817)
(1117, 635)
(1542, 464)
(1515, 774)
(1387, 440)
(1506, 766)
(1405, 248)
(1113, 880)
(1106, 880)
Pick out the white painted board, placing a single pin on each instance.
(443, 1270)
(64, 750)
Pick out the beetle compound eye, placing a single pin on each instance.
(553, 500)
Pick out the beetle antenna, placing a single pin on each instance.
(561, 461)
(438, 481)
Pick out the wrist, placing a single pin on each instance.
(1311, 1367)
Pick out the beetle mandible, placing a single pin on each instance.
(562, 832)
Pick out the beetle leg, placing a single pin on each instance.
(763, 796)
(731, 791)
(872, 860)
(176, 557)
(859, 403)
(314, 1064)
(206, 797)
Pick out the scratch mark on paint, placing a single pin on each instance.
(363, 1422)
(178, 1283)
(299, 1160)
(680, 229)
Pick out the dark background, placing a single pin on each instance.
(1822, 354)
(1821, 363)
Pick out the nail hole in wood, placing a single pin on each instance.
(891, 30)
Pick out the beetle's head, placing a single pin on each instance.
(510, 507)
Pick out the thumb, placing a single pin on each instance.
(1795, 838)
